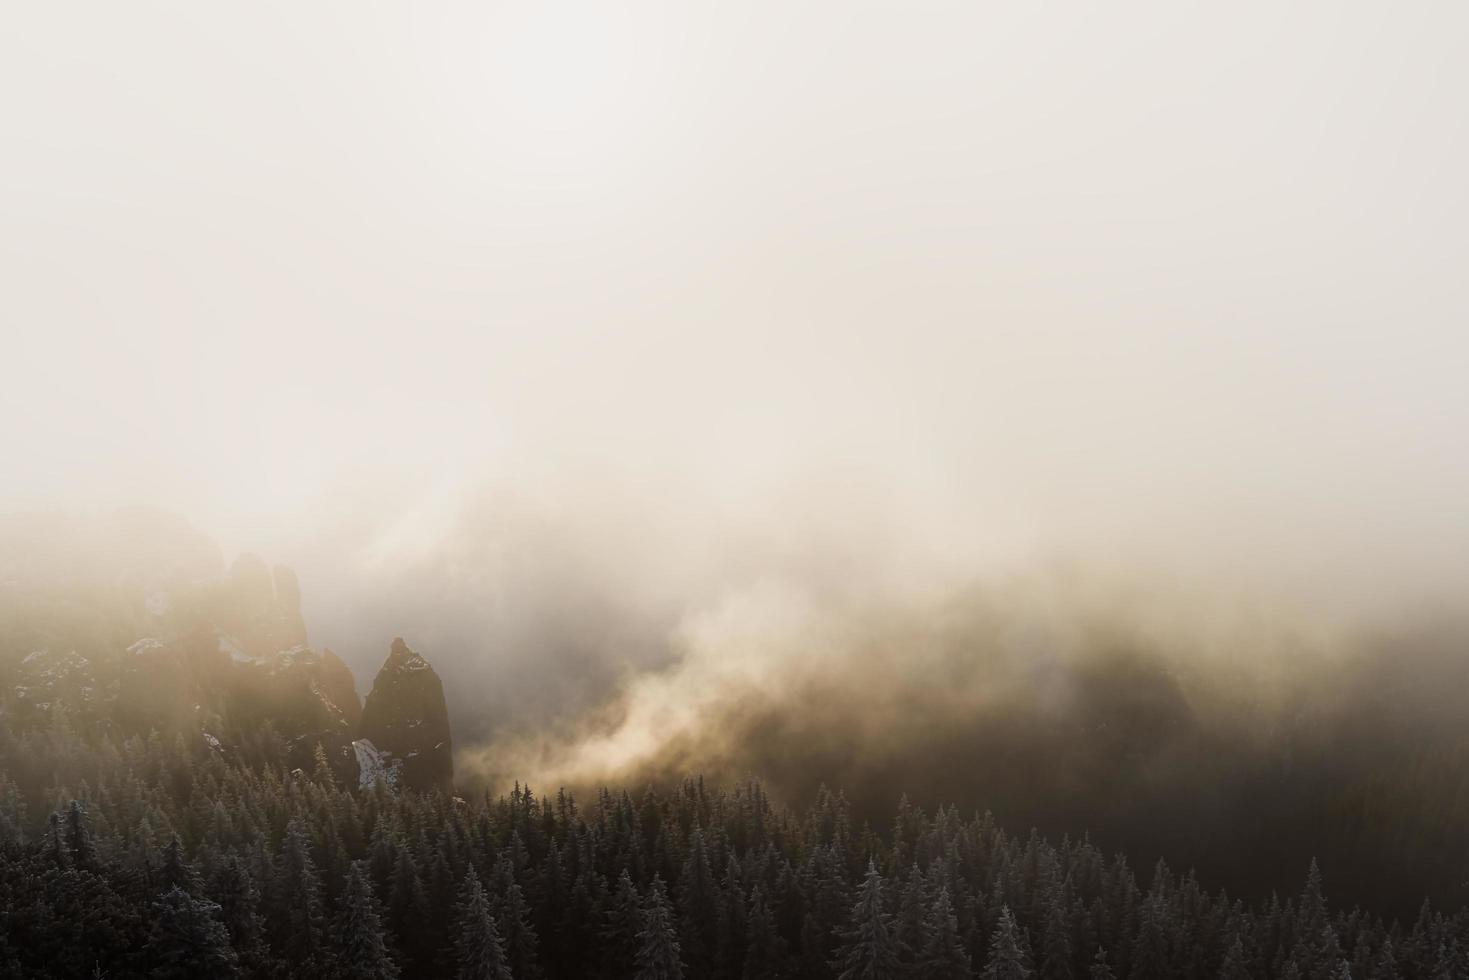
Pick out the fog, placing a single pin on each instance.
(656, 371)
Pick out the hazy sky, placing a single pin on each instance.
(1154, 280)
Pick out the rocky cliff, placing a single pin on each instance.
(151, 646)
(405, 725)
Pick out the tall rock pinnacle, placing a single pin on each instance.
(405, 718)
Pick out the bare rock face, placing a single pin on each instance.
(257, 610)
(156, 688)
(338, 685)
(406, 723)
(297, 693)
(291, 626)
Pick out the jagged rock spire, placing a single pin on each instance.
(405, 718)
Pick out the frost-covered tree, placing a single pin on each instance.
(698, 909)
(1009, 953)
(358, 933)
(942, 956)
(295, 902)
(1100, 969)
(622, 927)
(765, 949)
(479, 952)
(870, 948)
(658, 949)
(188, 941)
(1236, 965)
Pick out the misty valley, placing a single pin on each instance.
(188, 787)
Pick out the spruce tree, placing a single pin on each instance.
(1236, 964)
(1056, 942)
(698, 909)
(56, 842)
(1386, 967)
(188, 941)
(358, 932)
(1100, 969)
(1149, 951)
(1009, 956)
(911, 919)
(79, 836)
(410, 913)
(765, 948)
(623, 927)
(295, 901)
(522, 944)
(658, 951)
(871, 949)
(176, 871)
(942, 956)
(479, 952)
(239, 903)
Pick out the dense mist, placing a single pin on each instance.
(1060, 414)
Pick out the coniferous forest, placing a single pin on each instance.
(153, 857)
(189, 789)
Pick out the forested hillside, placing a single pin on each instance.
(151, 857)
(188, 788)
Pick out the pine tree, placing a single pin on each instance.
(175, 869)
(295, 901)
(1149, 951)
(1100, 968)
(623, 926)
(409, 911)
(765, 949)
(521, 942)
(698, 909)
(188, 941)
(1386, 967)
(942, 956)
(870, 950)
(321, 768)
(56, 842)
(1311, 909)
(1236, 965)
(1056, 942)
(1009, 957)
(911, 919)
(239, 906)
(658, 950)
(362, 950)
(78, 836)
(478, 949)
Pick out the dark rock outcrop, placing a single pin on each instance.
(406, 723)
(222, 657)
(290, 626)
(258, 610)
(293, 693)
(156, 688)
(338, 684)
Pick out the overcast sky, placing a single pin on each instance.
(1178, 282)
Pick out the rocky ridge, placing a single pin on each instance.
(228, 659)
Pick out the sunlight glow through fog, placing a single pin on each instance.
(1178, 284)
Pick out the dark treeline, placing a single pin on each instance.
(158, 857)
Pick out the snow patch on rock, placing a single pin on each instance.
(373, 764)
(144, 646)
(232, 646)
